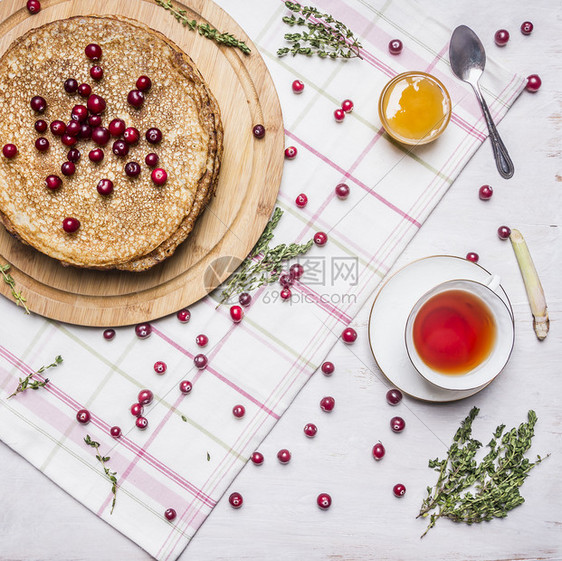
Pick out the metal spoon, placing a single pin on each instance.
(468, 58)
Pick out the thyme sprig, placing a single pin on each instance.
(111, 475)
(204, 29)
(29, 383)
(471, 492)
(9, 280)
(264, 264)
(325, 36)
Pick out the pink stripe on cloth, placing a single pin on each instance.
(320, 301)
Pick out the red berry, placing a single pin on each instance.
(485, 192)
(185, 386)
(339, 115)
(96, 104)
(296, 270)
(93, 51)
(58, 128)
(504, 232)
(33, 6)
(533, 83)
(137, 409)
(83, 416)
(79, 113)
(184, 315)
(245, 299)
(160, 367)
(53, 182)
(349, 335)
(257, 458)
(117, 127)
(201, 340)
(170, 514)
(399, 490)
(395, 47)
(96, 155)
(68, 168)
(286, 279)
(40, 125)
(310, 430)
(141, 423)
(327, 404)
(96, 72)
(38, 104)
(393, 396)
(132, 169)
(236, 314)
(145, 397)
(120, 148)
(144, 83)
(328, 368)
(105, 187)
(324, 501)
(9, 151)
(101, 136)
(472, 257)
(131, 135)
(200, 361)
(109, 334)
(284, 456)
(68, 140)
(159, 176)
(378, 451)
(143, 330)
(286, 294)
(153, 135)
(235, 500)
(115, 431)
(42, 144)
(397, 424)
(301, 200)
(94, 120)
(85, 132)
(84, 90)
(151, 160)
(258, 131)
(135, 98)
(342, 191)
(320, 238)
(73, 128)
(238, 411)
(290, 153)
(71, 86)
(298, 86)
(347, 105)
(526, 28)
(501, 37)
(70, 225)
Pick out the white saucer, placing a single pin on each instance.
(390, 312)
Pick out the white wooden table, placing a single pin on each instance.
(280, 519)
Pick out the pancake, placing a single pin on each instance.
(140, 223)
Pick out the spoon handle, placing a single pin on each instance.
(503, 161)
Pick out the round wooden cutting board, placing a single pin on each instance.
(233, 221)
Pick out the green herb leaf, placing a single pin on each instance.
(208, 457)
(103, 460)
(30, 383)
(9, 280)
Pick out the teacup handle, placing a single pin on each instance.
(493, 282)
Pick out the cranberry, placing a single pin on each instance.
(83, 416)
(257, 458)
(286, 279)
(120, 148)
(58, 128)
(94, 120)
(96, 155)
(258, 131)
(320, 238)
(238, 411)
(236, 314)
(328, 368)
(101, 136)
(73, 128)
(117, 127)
(33, 6)
(159, 176)
(68, 168)
(533, 83)
(145, 397)
(170, 514)
(501, 37)
(284, 456)
(527, 28)
(109, 334)
(42, 144)
(93, 51)
(342, 191)
(327, 404)
(153, 135)
(485, 192)
(70, 224)
(143, 330)
(53, 182)
(339, 115)
(200, 361)
(397, 424)
(235, 500)
(85, 90)
(73, 155)
(137, 409)
(301, 200)
(393, 396)
(395, 47)
(296, 271)
(347, 105)
(131, 135)
(378, 451)
(160, 367)
(185, 386)
(504, 232)
(68, 140)
(115, 432)
(399, 490)
(40, 125)
(71, 86)
(79, 113)
(141, 423)
(38, 104)
(472, 257)
(96, 104)
(349, 335)
(310, 430)
(298, 86)
(244, 299)
(290, 153)
(96, 72)
(151, 160)
(201, 340)
(85, 132)
(105, 187)
(184, 315)
(135, 98)
(286, 294)
(144, 83)
(324, 501)
(132, 169)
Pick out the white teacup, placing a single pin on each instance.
(486, 370)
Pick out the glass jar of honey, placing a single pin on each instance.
(414, 108)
